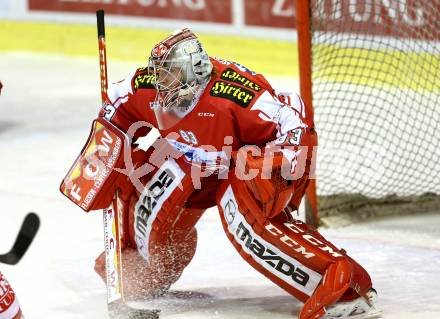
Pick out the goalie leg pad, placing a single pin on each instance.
(172, 246)
(291, 254)
(260, 248)
(158, 231)
(161, 228)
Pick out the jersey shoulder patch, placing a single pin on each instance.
(235, 83)
(143, 79)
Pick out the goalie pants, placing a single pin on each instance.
(160, 238)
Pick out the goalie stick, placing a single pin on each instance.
(25, 236)
(117, 307)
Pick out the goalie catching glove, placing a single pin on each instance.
(274, 179)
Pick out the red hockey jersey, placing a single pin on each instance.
(237, 107)
(9, 306)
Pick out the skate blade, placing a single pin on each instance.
(375, 314)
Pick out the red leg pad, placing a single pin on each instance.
(292, 254)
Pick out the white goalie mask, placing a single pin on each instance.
(181, 67)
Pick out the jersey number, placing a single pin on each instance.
(188, 137)
(110, 110)
(293, 137)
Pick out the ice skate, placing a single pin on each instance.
(359, 308)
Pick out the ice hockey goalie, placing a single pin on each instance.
(227, 139)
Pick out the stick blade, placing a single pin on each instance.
(26, 235)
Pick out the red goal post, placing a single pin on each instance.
(305, 63)
(369, 72)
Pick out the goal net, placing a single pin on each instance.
(373, 76)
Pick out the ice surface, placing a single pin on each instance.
(45, 114)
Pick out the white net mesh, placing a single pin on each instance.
(376, 97)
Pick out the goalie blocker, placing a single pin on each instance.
(93, 178)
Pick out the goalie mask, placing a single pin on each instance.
(182, 69)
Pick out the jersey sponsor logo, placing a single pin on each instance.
(233, 76)
(233, 93)
(143, 80)
(155, 193)
(279, 264)
(197, 154)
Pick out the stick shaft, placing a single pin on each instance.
(112, 244)
(100, 23)
(112, 241)
(102, 54)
